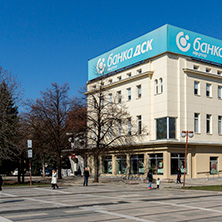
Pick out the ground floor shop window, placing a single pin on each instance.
(137, 164)
(156, 163)
(213, 165)
(107, 164)
(121, 164)
(177, 161)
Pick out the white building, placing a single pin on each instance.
(171, 81)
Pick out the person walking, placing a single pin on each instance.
(0, 182)
(54, 180)
(158, 183)
(86, 176)
(178, 175)
(150, 178)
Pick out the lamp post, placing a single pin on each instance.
(186, 134)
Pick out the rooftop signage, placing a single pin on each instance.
(165, 38)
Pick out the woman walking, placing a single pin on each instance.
(54, 180)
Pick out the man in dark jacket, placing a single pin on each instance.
(86, 176)
(178, 175)
(150, 178)
(0, 182)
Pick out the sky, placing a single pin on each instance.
(47, 41)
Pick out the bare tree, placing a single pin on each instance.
(35, 130)
(109, 125)
(49, 117)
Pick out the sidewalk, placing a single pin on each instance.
(78, 181)
(70, 181)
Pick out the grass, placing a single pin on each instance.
(207, 188)
(24, 185)
(14, 183)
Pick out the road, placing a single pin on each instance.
(108, 202)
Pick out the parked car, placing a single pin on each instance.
(15, 172)
(48, 172)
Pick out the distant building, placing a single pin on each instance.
(171, 81)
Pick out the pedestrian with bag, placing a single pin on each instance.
(150, 178)
(178, 175)
(54, 180)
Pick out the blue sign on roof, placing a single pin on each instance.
(165, 38)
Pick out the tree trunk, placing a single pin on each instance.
(22, 171)
(43, 168)
(96, 170)
(60, 167)
(19, 172)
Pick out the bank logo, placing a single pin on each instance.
(182, 43)
(101, 66)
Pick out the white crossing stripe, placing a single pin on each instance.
(190, 207)
(26, 215)
(115, 214)
(2, 219)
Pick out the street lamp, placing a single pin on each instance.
(186, 134)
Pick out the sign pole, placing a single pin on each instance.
(30, 172)
(29, 145)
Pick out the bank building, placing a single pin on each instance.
(170, 80)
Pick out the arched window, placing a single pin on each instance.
(161, 85)
(156, 86)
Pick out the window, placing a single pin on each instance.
(120, 127)
(119, 97)
(208, 90)
(110, 81)
(129, 94)
(139, 91)
(139, 71)
(102, 101)
(121, 164)
(107, 164)
(102, 130)
(213, 165)
(208, 69)
(195, 67)
(208, 124)
(94, 132)
(119, 78)
(219, 92)
(156, 163)
(196, 88)
(129, 74)
(219, 125)
(129, 126)
(111, 98)
(139, 124)
(219, 72)
(137, 164)
(177, 161)
(95, 103)
(156, 86)
(161, 85)
(196, 122)
(110, 130)
(166, 128)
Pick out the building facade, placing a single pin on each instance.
(170, 81)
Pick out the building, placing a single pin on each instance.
(171, 81)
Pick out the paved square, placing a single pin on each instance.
(108, 202)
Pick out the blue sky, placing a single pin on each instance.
(45, 41)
